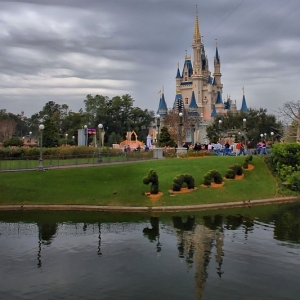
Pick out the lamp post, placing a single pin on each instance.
(261, 136)
(265, 136)
(86, 135)
(30, 133)
(73, 138)
(193, 134)
(180, 128)
(66, 135)
(200, 128)
(272, 136)
(158, 125)
(100, 126)
(220, 124)
(41, 128)
(245, 133)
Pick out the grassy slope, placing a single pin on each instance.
(95, 185)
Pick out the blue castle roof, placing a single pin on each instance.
(213, 112)
(244, 105)
(219, 98)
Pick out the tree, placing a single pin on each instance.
(290, 116)
(165, 138)
(257, 122)
(117, 115)
(50, 133)
(13, 141)
(7, 129)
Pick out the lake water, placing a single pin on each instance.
(245, 253)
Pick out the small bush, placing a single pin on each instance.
(294, 181)
(249, 157)
(237, 169)
(181, 179)
(230, 174)
(245, 164)
(153, 179)
(212, 175)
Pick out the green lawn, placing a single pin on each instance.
(95, 185)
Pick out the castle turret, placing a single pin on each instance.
(217, 69)
(244, 107)
(162, 107)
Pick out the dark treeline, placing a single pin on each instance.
(117, 115)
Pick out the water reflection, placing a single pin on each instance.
(153, 232)
(236, 247)
(46, 233)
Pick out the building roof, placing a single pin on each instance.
(219, 98)
(162, 107)
(193, 103)
(244, 105)
(213, 112)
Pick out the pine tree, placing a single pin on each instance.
(165, 138)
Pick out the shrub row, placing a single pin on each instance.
(285, 164)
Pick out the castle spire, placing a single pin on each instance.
(196, 31)
(217, 52)
(244, 107)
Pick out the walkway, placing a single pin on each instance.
(153, 208)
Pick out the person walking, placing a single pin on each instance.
(241, 147)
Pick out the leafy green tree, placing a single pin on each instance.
(13, 141)
(114, 138)
(165, 138)
(50, 133)
(257, 122)
(117, 115)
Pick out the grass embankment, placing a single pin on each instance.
(96, 185)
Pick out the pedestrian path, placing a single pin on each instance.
(199, 207)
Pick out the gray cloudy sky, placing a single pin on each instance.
(62, 50)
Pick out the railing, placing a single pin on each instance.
(60, 161)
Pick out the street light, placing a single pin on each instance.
(220, 124)
(245, 133)
(272, 135)
(261, 136)
(66, 139)
(244, 124)
(30, 133)
(265, 136)
(180, 128)
(86, 135)
(158, 125)
(41, 128)
(100, 126)
(193, 134)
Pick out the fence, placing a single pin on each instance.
(60, 161)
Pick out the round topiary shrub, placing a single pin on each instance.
(230, 174)
(245, 164)
(249, 157)
(177, 183)
(212, 175)
(238, 170)
(181, 179)
(207, 179)
(153, 179)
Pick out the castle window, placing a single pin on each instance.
(186, 100)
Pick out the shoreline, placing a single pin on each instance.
(199, 207)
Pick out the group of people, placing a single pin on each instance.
(239, 148)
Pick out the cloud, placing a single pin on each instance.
(62, 50)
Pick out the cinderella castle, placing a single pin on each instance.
(198, 92)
